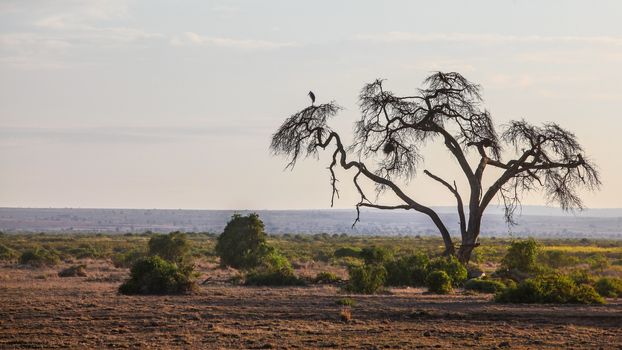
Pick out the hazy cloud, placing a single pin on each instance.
(190, 38)
(131, 134)
(396, 37)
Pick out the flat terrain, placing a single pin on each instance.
(40, 310)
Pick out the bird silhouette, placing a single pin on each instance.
(312, 96)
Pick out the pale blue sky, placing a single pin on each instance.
(162, 104)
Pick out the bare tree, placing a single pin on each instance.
(392, 129)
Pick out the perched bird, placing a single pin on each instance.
(389, 147)
(312, 96)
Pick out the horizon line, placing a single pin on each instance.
(299, 209)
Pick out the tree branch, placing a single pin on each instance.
(455, 192)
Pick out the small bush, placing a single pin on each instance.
(273, 277)
(272, 259)
(6, 253)
(609, 287)
(154, 275)
(557, 259)
(326, 278)
(598, 262)
(554, 288)
(127, 259)
(408, 271)
(376, 255)
(366, 279)
(85, 251)
(484, 285)
(456, 271)
(346, 302)
(581, 277)
(347, 252)
(439, 282)
(173, 247)
(586, 294)
(240, 244)
(39, 257)
(522, 256)
(345, 314)
(73, 271)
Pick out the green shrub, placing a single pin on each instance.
(39, 257)
(484, 285)
(581, 277)
(73, 271)
(557, 259)
(409, 270)
(598, 261)
(609, 287)
(347, 252)
(154, 275)
(127, 259)
(85, 251)
(271, 259)
(273, 277)
(439, 282)
(322, 256)
(586, 294)
(522, 256)
(273, 269)
(240, 244)
(456, 271)
(326, 278)
(346, 302)
(376, 255)
(173, 247)
(6, 253)
(366, 279)
(552, 288)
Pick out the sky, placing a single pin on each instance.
(172, 104)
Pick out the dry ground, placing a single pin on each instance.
(40, 310)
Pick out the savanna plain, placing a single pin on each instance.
(68, 297)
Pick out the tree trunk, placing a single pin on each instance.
(464, 253)
(469, 240)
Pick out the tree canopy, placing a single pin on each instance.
(392, 129)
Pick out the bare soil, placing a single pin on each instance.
(38, 309)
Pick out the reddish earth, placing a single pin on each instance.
(40, 310)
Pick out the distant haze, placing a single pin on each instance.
(535, 221)
(150, 104)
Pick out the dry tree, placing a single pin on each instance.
(392, 129)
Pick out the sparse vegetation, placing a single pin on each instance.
(39, 257)
(6, 253)
(609, 287)
(326, 278)
(484, 285)
(346, 302)
(345, 314)
(73, 271)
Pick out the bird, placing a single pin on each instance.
(312, 96)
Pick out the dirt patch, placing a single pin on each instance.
(51, 312)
